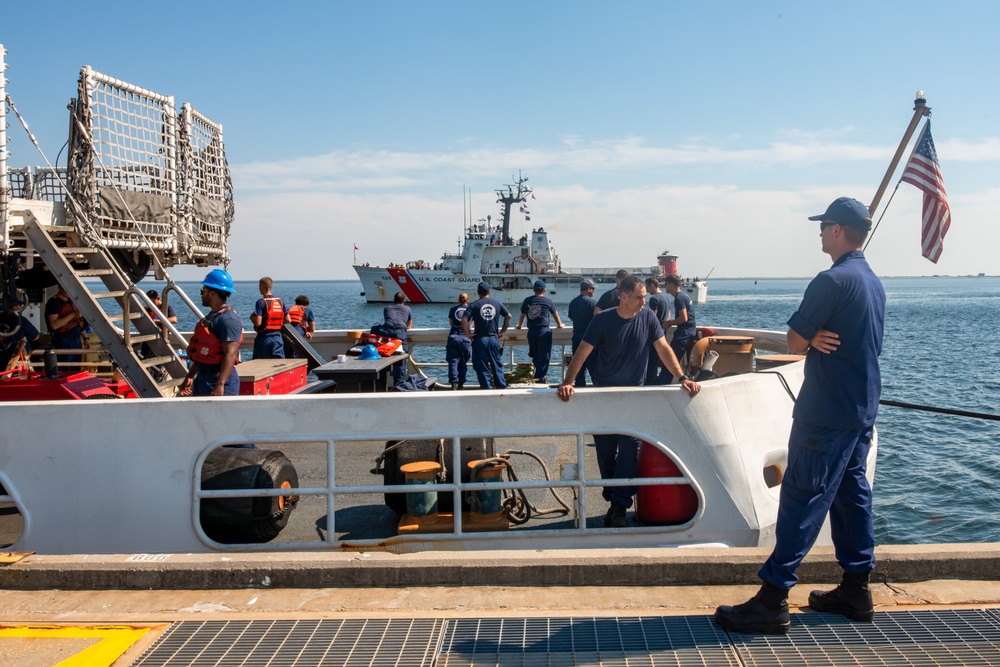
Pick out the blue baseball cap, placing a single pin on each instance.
(846, 211)
(539, 285)
(483, 288)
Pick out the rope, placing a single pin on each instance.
(515, 504)
(884, 209)
(784, 383)
(944, 411)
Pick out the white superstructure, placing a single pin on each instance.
(511, 266)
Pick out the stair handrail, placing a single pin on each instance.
(166, 323)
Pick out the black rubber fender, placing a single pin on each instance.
(234, 520)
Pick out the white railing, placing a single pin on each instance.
(124, 476)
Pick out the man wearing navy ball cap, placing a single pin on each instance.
(838, 326)
(537, 308)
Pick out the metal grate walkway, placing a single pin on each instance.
(903, 639)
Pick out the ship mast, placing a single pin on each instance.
(507, 199)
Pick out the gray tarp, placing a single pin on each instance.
(144, 207)
(209, 210)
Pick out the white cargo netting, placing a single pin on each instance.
(206, 201)
(146, 178)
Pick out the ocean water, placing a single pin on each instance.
(936, 477)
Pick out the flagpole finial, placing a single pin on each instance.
(921, 100)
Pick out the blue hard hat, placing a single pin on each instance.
(220, 280)
(369, 352)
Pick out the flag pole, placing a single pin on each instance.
(355, 254)
(920, 109)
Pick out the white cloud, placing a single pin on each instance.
(604, 203)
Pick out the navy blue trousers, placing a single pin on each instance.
(581, 377)
(487, 362)
(617, 457)
(826, 473)
(269, 345)
(69, 342)
(204, 382)
(458, 353)
(540, 350)
(399, 370)
(656, 372)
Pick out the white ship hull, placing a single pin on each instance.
(729, 443)
(380, 284)
(697, 290)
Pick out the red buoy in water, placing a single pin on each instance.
(666, 505)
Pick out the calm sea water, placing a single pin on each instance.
(936, 475)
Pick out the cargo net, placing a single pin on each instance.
(122, 171)
(38, 183)
(146, 179)
(206, 190)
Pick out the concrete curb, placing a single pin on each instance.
(591, 567)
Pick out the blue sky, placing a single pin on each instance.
(710, 129)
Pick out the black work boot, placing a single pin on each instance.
(765, 612)
(852, 598)
(615, 518)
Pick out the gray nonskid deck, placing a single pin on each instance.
(903, 638)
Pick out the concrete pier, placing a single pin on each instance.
(626, 587)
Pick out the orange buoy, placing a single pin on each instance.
(666, 505)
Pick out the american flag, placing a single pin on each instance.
(924, 172)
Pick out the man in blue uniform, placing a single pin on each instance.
(485, 314)
(66, 325)
(620, 339)
(214, 347)
(171, 314)
(459, 348)
(581, 311)
(610, 298)
(686, 329)
(660, 305)
(269, 314)
(154, 296)
(839, 327)
(301, 315)
(398, 317)
(537, 308)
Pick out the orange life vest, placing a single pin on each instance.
(296, 313)
(385, 345)
(205, 347)
(65, 308)
(274, 314)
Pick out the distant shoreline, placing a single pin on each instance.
(355, 280)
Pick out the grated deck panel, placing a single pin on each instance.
(895, 639)
(368, 642)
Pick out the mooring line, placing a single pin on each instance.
(945, 411)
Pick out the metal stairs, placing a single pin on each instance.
(157, 375)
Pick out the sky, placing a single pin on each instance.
(709, 129)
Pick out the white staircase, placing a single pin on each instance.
(122, 333)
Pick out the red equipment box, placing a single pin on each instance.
(262, 377)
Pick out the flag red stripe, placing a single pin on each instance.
(923, 172)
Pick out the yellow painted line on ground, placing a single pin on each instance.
(114, 640)
(10, 557)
